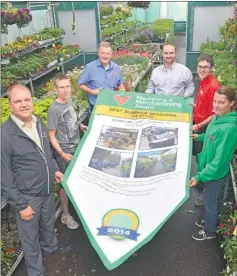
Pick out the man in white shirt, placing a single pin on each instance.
(171, 78)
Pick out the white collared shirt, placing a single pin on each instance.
(176, 80)
(29, 130)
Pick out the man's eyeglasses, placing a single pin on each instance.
(203, 67)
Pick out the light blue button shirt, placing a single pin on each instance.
(96, 76)
(176, 81)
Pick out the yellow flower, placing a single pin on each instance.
(235, 231)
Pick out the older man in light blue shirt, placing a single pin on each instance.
(171, 78)
(101, 74)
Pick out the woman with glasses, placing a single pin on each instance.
(219, 143)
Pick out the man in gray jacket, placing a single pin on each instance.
(28, 174)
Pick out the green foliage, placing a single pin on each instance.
(144, 36)
(225, 69)
(228, 230)
(30, 42)
(142, 48)
(5, 110)
(126, 166)
(106, 10)
(118, 29)
(114, 19)
(33, 64)
(224, 53)
(131, 60)
(228, 33)
(9, 241)
(41, 108)
(161, 27)
(48, 33)
(11, 15)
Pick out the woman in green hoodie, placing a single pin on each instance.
(220, 141)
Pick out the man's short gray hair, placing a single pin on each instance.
(105, 44)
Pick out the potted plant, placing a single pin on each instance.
(11, 16)
(228, 230)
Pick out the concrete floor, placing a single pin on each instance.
(172, 252)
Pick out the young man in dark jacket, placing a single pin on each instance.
(28, 174)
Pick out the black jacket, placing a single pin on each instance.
(26, 169)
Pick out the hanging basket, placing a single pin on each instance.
(11, 16)
(139, 4)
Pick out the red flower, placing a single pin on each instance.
(221, 225)
(227, 233)
(10, 250)
(231, 227)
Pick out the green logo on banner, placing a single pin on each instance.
(120, 224)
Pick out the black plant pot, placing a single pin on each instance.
(158, 40)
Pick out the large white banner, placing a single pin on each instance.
(130, 170)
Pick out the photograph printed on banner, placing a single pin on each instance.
(158, 137)
(155, 162)
(112, 162)
(117, 138)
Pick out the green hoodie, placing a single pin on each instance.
(220, 141)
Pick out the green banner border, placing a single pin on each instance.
(104, 259)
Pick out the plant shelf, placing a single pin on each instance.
(143, 74)
(22, 53)
(41, 74)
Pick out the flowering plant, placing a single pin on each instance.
(31, 65)
(144, 36)
(106, 10)
(228, 229)
(28, 43)
(11, 16)
(150, 49)
(162, 27)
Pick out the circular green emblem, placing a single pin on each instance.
(120, 221)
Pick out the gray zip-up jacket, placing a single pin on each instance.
(26, 169)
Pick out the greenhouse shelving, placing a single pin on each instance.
(72, 58)
(18, 260)
(149, 67)
(60, 64)
(143, 74)
(19, 252)
(30, 50)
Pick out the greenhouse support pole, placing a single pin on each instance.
(233, 182)
(63, 70)
(31, 87)
(84, 59)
